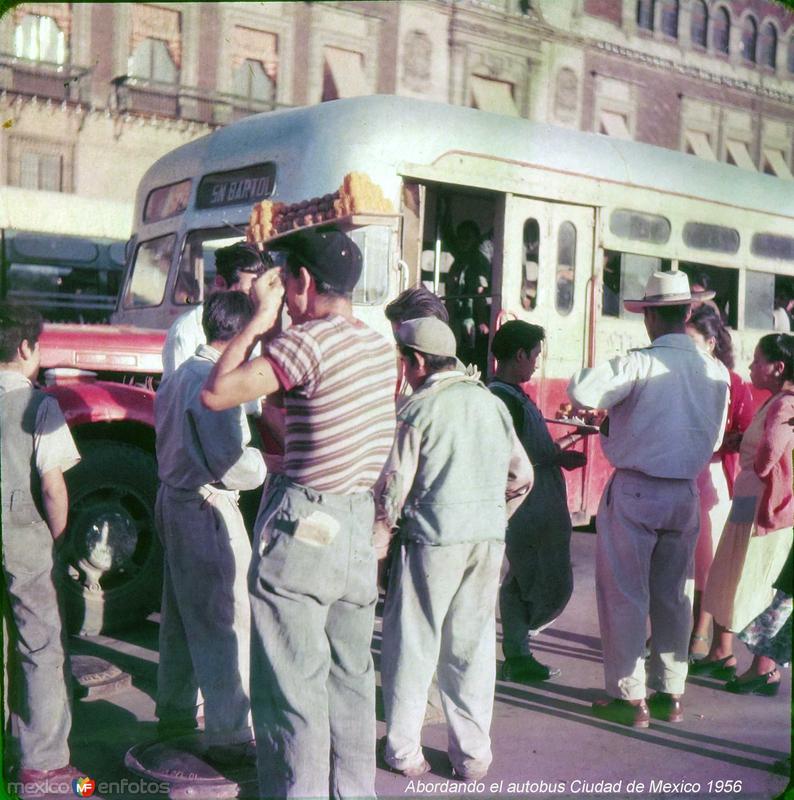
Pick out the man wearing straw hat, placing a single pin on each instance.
(667, 406)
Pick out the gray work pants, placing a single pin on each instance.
(38, 688)
(205, 620)
(440, 614)
(313, 593)
(647, 532)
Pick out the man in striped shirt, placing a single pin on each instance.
(312, 578)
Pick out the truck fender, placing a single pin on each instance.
(104, 401)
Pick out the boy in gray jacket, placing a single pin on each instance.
(452, 501)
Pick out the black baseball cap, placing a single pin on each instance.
(329, 255)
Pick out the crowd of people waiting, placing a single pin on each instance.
(271, 640)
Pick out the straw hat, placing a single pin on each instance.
(667, 289)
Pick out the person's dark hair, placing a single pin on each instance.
(17, 323)
(434, 363)
(779, 347)
(294, 264)
(468, 226)
(416, 303)
(708, 323)
(240, 257)
(671, 315)
(700, 279)
(516, 335)
(225, 315)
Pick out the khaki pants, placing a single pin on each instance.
(647, 532)
(440, 614)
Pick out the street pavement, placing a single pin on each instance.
(546, 742)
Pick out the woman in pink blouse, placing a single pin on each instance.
(758, 534)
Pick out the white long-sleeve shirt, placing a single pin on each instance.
(667, 406)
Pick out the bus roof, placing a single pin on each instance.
(61, 213)
(315, 146)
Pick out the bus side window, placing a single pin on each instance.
(531, 267)
(625, 276)
(566, 264)
(767, 301)
(722, 281)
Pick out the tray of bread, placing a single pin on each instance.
(585, 419)
(358, 201)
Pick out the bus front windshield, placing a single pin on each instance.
(196, 275)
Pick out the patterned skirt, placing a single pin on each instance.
(769, 634)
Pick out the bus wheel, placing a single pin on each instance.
(112, 561)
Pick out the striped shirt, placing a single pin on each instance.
(338, 379)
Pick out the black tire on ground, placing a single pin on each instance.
(112, 561)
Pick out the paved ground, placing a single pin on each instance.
(546, 742)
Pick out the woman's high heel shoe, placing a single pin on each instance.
(760, 685)
(714, 669)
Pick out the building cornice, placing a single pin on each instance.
(658, 62)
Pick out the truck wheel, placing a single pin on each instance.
(112, 561)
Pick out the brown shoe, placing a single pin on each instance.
(667, 707)
(625, 712)
(53, 783)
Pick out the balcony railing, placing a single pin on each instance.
(44, 79)
(137, 95)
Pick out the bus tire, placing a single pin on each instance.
(111, 563)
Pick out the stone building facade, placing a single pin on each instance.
(92, 93)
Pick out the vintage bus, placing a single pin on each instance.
(61, 254)
(570, 223)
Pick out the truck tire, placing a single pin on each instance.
(111, 563)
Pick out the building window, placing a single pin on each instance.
(41, 171)
(767, 46)
(255, 64)
(749, 38)
(699, 24)
(343, 74)
(40, 39)
(721, 31)
(670, 18)
(252, 82)
(494, 96)
(38, 164)
(645, 9)
(155, 46)
(152, 61)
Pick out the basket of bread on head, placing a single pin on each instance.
(358, 201)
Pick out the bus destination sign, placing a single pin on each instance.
(236, 187)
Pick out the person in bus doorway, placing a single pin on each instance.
(237, 267)
(203, 462)
(312, 581)
(539, 582)
(667, 408)
(451, 506)
(36, 449)
(468, 288)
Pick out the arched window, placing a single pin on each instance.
(152, 61)
(749, 38)
(699, 24)
(645, 14)
(252, 81)
(40, 39)
(721, 30)
(670, 18)
(767, 46)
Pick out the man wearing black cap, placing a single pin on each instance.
(312, 580)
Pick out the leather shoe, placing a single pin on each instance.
(37, 784)
(635, 715)
(241, 754)
(667, 707)
(523, 669)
